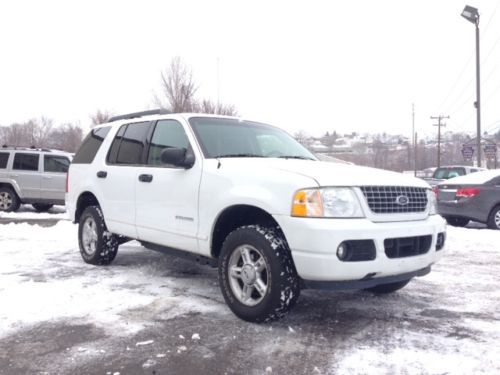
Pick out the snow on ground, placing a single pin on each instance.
(463, 289)
(43, 278)
(447, 322)
(27, 212)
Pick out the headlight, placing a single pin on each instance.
(326, 202)
(432, 202)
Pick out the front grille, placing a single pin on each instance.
(395, 199)
(407, 246)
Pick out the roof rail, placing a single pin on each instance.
(160, 111)
(24, 148)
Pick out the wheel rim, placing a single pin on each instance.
(89, 236)
(5, 201)
(248, 275)
(497, 219)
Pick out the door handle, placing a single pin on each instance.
(14, 175)
(47, 177)
(145, 177)
(102, 174)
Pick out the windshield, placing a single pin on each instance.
(446, 173)
(220, 137)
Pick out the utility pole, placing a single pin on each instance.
(413, 137)
(439, 124)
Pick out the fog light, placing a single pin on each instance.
(440, 241)
(342, 251)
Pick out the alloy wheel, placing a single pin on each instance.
(5, 201)
(89, 236)
(248, 275)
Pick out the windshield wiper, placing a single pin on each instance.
(295, 157)
(237, 156)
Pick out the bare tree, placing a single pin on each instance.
(100, 117)
(41, 133)
(208, 106)
(179, 92)
(178, 87)
(66, 137)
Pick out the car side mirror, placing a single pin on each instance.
(179, 157)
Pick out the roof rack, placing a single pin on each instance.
(127, 116)
(32, 148)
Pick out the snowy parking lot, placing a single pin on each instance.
(154, 314)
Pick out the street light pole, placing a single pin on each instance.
(478, 96)
(471, 14)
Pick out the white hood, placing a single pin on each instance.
(329, 174)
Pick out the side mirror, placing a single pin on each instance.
(179, 157)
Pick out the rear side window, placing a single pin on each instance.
(129, 144)
(167, 134)
(91, 144)
(26, 162)
(4, 157)
(57, 164)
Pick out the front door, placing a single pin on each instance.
(167, 196)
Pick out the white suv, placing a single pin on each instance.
(34, 176)
(247, 197)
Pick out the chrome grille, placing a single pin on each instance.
(395, 199)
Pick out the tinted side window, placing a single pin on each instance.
(4, 157)
(133, 143)
(167, 134)
(90, 146)
(115, 146)
(26, 162)
(58, 164)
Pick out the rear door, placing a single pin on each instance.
(53, 181)
(125, 155)
(25, 171)
(167, 196)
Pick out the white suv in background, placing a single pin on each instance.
(248, 198)
(31, 175)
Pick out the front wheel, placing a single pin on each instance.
(97, 245)
(388, 288)
(257, 275)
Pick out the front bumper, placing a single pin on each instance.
(314, 243)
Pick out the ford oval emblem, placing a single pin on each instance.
(402, 200)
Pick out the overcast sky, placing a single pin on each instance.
(312, 65)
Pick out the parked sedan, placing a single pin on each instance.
(473, 197)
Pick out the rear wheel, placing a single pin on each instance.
(97, 245)
(8, 200)
(388, 288)
(42, 207)
(494, 218)
(257, 275)
(457, 221)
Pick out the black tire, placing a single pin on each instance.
(457, 221)
(267, 248)
(494, 218)
(388, 288)
(97, 245)
(42, 207)
(9, 201)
